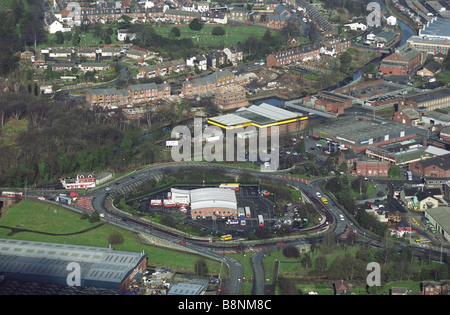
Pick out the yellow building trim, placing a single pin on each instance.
(251, 123)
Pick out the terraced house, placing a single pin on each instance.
(293, 55)
(207, 84)
(141, 93)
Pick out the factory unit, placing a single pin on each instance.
(360, 134)
(439, 218)
(204, 202)
(261, 116)
(29, 261)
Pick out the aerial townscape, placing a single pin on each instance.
(236, 150)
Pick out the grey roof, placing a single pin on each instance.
(213, 198)
(143, 86)
(438, 27)
(441, 215)
(407, 52)
(360, 132)
(51, 259)
(110, 91)
(186, 289)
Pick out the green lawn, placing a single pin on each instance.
(234, 34)
(41, 218)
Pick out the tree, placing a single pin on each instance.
(291, 252)
(394, 171)
(201, 268)
(175, 32)
(108, 40)
(59, 38)
(115, 238)
(218, 31)
(76, 37)
(321, 263)
(195, 25)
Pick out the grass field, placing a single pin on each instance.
(41, 221)
(234, 34)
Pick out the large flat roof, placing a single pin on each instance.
(438, 27)
(51, 260)
(257, 115)
(364, 132)
(442, 216)
(213, 198)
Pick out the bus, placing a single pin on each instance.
(234, 187)
(226, 237)
(242, 218)
(409, 175)
(260, 220)
(248, 214)
(12, 194)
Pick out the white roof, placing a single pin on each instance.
(270, 111)
(213, 198)
(230, 120)
(436, 151)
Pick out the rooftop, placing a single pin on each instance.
(363, 132)
(441, 215)
(213, 197)
(429, 96)
(50, 259)
(437, 27)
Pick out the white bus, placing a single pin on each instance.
(230, 186)
(260, 220)
(248, 214)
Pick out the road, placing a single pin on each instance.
(203, 247)
(332, 219)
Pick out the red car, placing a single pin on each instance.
(182, 243)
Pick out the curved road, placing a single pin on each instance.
(331, 219)
(129, 182)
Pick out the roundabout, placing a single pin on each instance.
(102, 203)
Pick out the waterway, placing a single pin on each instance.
(407, 32)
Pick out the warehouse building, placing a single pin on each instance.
(261, 116)
(440, 219)
(42, 262)
(360, 134)
(209, 202)
(432, 100)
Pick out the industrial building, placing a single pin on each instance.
(399, 153)
(436, 99)
(440, 218)
(42, 262)
(261, 116)
(404, 60)
(209, 202)
(360, 134)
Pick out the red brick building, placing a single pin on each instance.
(403, 61)
(293, 55)
(407, 116)
(434, 167)
(372, 168)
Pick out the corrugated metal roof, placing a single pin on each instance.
(213, 197)
(51, 259)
